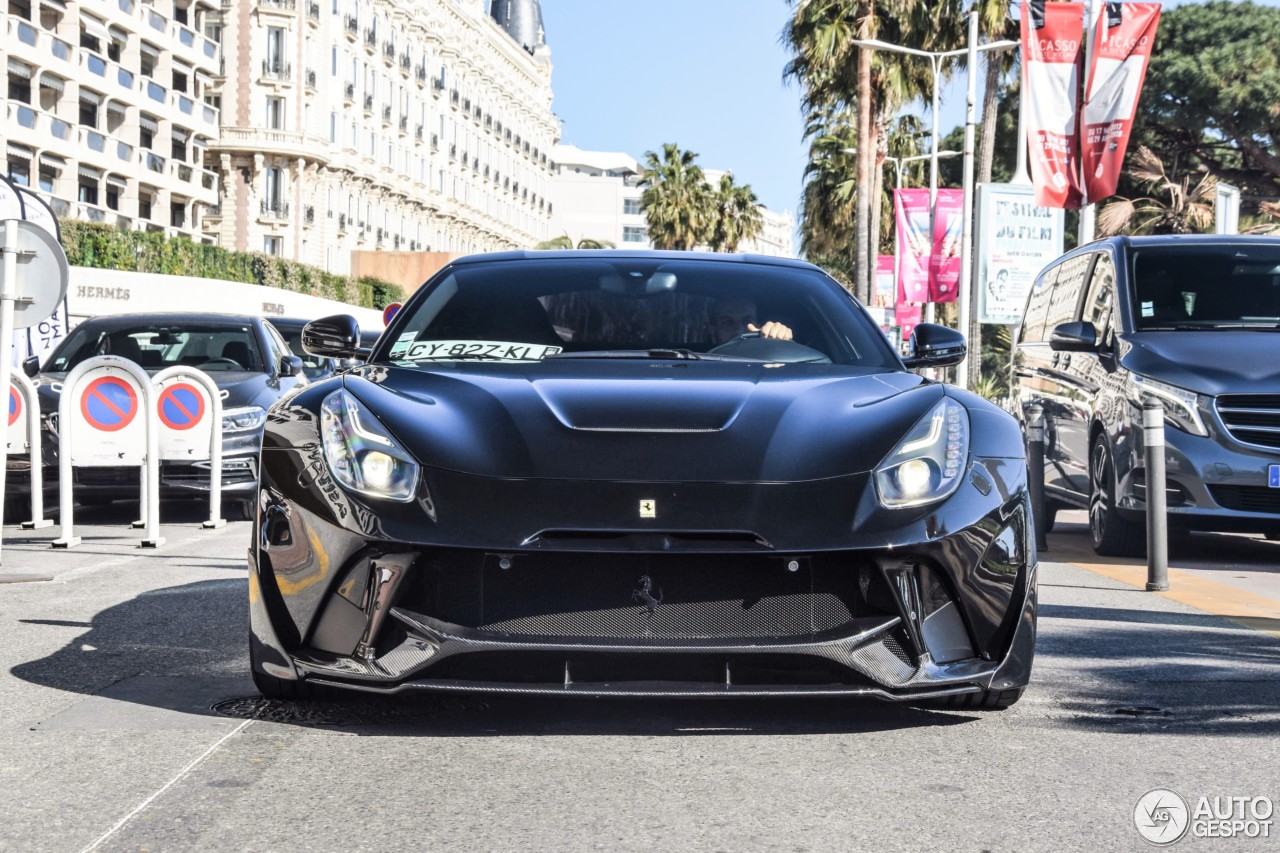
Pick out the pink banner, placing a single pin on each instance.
(911, 213)
(1051, 58)
(885, 294)
(1122, 42)
(907, 316)
(944, 265)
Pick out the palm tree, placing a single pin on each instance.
(1179, 209)
(993, 20)
(738, 216)
(677, 202)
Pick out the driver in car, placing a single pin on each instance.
(732, 316)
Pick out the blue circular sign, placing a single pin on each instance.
(109, 404)
(181, 406)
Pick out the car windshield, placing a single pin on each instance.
(155, 346)
(528, 310)
(1226, 286)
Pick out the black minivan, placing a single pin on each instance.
(1194, 321)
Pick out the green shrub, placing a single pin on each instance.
(90, 244)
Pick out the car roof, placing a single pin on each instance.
(645, 254)
(168, 317)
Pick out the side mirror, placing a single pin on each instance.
(337, 336)
(290, 365)
(31, 366)
(935, 346)
(1078, 336)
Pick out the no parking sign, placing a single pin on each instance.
(185, 411)
(16, 432)
(108, 431)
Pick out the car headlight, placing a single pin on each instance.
(361, 454)
(1181, 407)
(243, 419)
(927, 464)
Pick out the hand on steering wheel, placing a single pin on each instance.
(772, 329)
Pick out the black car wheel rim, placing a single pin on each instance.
(1099, 493)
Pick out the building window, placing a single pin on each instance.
(113, 196)
(178, 147)
(177, 214)
(273, 245)
(19, 170)
(274, 188)
(19, 82)
(275, 113)
(88, 192)
(47, 177)
(88, 113)
(145, 200)
(333, 128)
(635, 234)
(631, 206)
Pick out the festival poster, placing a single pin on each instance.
(1016, 240)
(911, 213)
(1123, 37)
(1052, 36)
(885, 292)
(944, 264)
(907, 316)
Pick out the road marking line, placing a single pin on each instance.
(175, 780)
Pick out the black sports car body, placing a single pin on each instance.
(559, 473)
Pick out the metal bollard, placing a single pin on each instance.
(1157, 508)
(1035, 472)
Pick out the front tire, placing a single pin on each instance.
(1112, 535)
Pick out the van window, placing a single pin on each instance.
(1032, 330)
(1067, 290)
(1100, 296)
(1207, 286)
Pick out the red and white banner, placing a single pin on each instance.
(1122, 40)
(1052, 56)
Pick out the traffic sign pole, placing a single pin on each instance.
(35, 450)
(8, 293)
(180, 409)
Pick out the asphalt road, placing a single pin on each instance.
(109, 737)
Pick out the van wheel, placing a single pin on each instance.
(1112, 535)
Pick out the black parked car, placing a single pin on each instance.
(571, 472)
(1193, 321)
(244, 356)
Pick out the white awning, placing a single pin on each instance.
(90, 173)
(53, 160)
(22, 152)
(19, 69)
(118, 34)
(95, 28)
(117, 108)
(149, 49)
(49, 81)
(90, 96)
(180, 135)
(147, 123)
(117, 181)
(60, 5)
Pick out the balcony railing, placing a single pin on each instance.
(287, 5)
(313, 11)
(352, 25)
(386, 113)
(388, 50)
(275, 209)
(420, 73)
(311, 78)
(349, 93)
(276, 69)
(370, 38)
(309, 215)
(368, 103)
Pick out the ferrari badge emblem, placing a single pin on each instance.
(648, 509)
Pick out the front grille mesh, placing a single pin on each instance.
(1247, 498)
(1252, 418)
(703, 596)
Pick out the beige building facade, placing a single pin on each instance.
(378, 125)
(105, 112)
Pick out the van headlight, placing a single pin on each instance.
(243, 419)
(361, 453)
(926, 465)
(1181, 407)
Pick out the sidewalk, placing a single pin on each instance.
(1229, 575)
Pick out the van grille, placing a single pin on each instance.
(1252, 418)
(1247, 498)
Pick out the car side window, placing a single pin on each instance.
(1066, 291)
(276, 347)
(1100, 296)
(1037, 307)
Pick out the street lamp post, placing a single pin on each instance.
(935, 63)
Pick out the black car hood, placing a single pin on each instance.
(646, 421)
(243, 388)
(1208, 362)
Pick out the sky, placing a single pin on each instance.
(630, 75)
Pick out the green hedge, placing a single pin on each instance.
(89, 244)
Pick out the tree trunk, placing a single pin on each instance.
(866, 157)
(990, 100)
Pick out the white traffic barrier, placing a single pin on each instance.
(189, 420)
(106, 418)
(23, 436)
